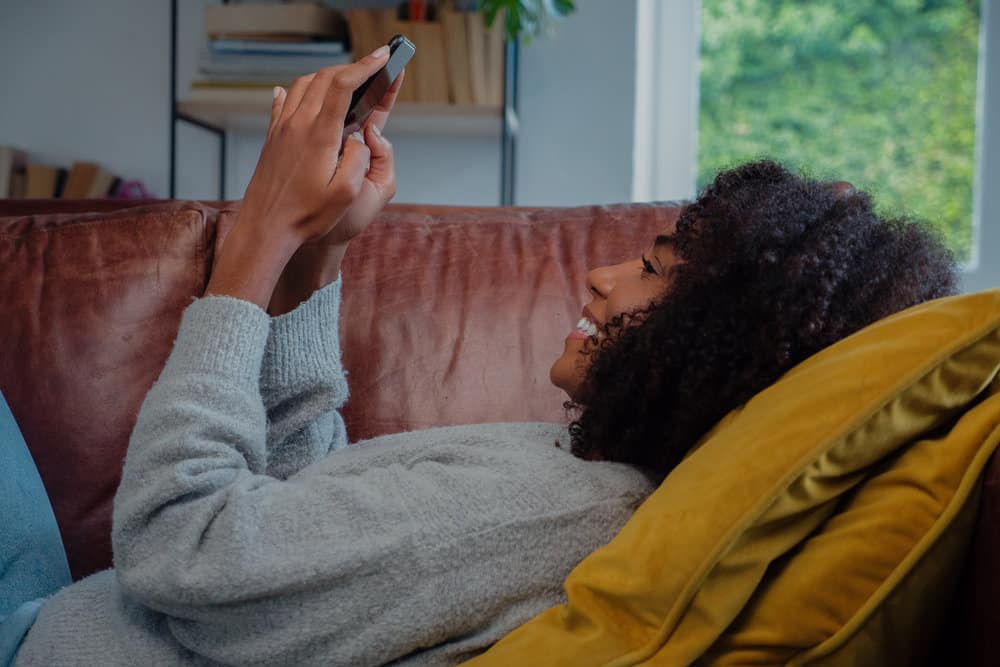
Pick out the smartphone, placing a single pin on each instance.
(371, 92)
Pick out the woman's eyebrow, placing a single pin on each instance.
(662, 240)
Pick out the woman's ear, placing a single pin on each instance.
(842, 189)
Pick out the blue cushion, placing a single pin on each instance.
(32, 559)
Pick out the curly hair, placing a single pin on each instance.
(772, 267)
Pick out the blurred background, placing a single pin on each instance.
(600, 101)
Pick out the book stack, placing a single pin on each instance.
(89, 180)
(21, 179)
(256, 46)
(458, 60)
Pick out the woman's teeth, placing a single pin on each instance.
(586, 327)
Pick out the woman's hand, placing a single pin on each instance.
(299, 190)
(317, 262)
(299, 181)
(379, 185)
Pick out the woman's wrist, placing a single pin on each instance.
(313, 266)
(250, 262)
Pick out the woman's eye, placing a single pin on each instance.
(647, 266)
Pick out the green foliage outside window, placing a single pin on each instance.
(882, 94)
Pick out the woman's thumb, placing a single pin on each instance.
(353, 166)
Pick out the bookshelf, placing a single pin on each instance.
(250, 111)
(407, 117)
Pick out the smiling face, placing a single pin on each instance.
(615, 290)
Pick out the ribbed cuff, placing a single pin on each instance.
(304, 344)
(223, 336)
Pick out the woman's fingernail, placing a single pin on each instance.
(277, 91)
(380, 51)
(377, 132)
(357, 137)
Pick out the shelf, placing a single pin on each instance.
(250, 110)
(219, 110)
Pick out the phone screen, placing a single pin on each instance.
(368, 94)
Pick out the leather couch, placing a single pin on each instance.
(450, 315)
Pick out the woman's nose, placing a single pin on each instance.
(602, 280)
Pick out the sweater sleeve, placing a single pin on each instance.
(303, 384)
(200, 529)
(234, 558)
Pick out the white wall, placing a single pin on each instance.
(577, 109)
(87, 81)
(90, 81)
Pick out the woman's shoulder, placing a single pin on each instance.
(496, 444)
(518, 432)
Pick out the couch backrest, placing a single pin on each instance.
(450, 315)
(89, 306)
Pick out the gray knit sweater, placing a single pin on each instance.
(241, 538)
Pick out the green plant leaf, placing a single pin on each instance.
(524, 19)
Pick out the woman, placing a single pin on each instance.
(240, 539)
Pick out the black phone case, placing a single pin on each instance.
(370, 93)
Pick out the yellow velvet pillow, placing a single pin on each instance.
(820, 523)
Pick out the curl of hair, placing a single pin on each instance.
(772, 267)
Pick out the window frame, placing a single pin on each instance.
(665, 149)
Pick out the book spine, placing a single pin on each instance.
(309, 63)
(12, 161)
(388, 24)
(428, 66)
(475, 31)
(18, 183)
(252, 47)
(38, 181)
(113, 189)
(300, 18)
(60, 181)
(495, 61)
(362, 31)
(81, 174)
(457, 52)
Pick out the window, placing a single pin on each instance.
(890, 95)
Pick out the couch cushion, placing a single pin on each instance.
(823, 521)
(88, 314)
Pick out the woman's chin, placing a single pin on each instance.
(556, 378)
(565, 373)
